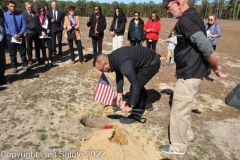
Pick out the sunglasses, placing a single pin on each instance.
(95, 9)
(210, 19)
(136, 15)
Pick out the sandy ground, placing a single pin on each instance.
(41, 109)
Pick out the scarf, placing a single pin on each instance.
(43, 19)
(73, 21)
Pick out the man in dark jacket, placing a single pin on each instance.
(138, 64)
(31, 34)
(97, 24)
(57, 20)
(193, 55)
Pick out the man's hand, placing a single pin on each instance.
(48, 31)
(119, 99)
(112, 33)
(126, 109)
(53, 20)
(16, 36)
(220, 74)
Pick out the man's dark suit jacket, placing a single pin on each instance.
(30, 21)
(4, 32)
(57, 26)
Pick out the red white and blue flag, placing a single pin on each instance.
(104, 92)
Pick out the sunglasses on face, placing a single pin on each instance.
(210, 19)
(95, 9)
(136, 15)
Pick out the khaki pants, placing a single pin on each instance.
(170, 55)
(117, 42)
(180, 118)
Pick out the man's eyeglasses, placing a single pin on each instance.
(168, 7)
(210, 19)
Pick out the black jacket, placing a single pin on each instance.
(120, 27)
(39, 27)
(29, 20)
(2, 21)
(101, 25)
(131, 30)
(128, 61)
(57, 26)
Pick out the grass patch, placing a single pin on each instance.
(51, 123)
(43, 137)
(22, 135)
(55, 136)
(61, 145)
(36, 146)
(11, 136)
(41, 131)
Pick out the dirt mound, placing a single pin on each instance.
(119, 137)
(119, 144)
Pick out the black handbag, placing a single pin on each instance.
(71, 35)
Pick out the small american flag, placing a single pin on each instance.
(104, 92)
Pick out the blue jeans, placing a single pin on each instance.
(12, 48)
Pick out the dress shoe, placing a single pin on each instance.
(50, 64)
(130, 119)
(82, 62)
(5, 82)
(26, 69)
(14, 70)
(60, 53)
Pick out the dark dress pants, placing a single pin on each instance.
(49, 46)
(30, 38)
(79, 48)
(152, 44)
(97, 45)
(144, 75)
(12, 48)
(2, 62)
(53, 38)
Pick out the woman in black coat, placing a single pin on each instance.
(135, 30)
(43, 25)
(97, 24)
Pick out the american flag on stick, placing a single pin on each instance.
(104, 92)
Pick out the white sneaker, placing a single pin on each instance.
(167, 149)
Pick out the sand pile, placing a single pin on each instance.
(119, 144)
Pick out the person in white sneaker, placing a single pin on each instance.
(194, 55)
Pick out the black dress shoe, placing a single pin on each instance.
(127, 120)
(50, 64)
(5, 82)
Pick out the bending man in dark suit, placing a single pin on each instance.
(31, 34)
(138, 64)
(57, 19)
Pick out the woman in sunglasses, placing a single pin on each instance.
(135, 30)
(43, 25)
(213, 30)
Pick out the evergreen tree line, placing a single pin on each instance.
(224, 9)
